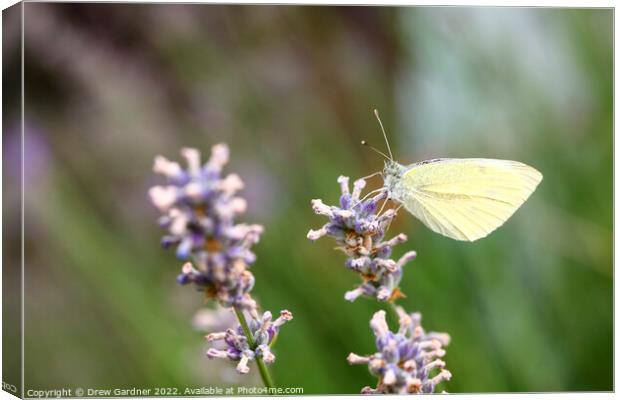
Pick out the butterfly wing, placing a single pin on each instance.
(466, 199)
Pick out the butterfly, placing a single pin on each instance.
(461, 198)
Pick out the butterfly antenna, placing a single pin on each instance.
(384, 135)
(365, 143)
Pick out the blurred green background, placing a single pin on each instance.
(291, 90)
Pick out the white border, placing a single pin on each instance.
(508, 3)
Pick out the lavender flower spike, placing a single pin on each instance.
(199, 207)
(263, 331)
(359, 231)
(407, 360)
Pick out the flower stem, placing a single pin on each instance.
(393, 313)
(262, 367)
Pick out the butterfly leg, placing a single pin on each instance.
(368, 195)
(395, 211)
(371, 175)
(388, 197)
(382, 206)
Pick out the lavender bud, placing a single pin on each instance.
(263, 331)
(404, 362)
(358, 230)
(200, 207)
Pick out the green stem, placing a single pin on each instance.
(262, 367)
(393, 313)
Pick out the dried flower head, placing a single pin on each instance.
(406, 361)
(240, 349)
(199, 207)
(359, 231)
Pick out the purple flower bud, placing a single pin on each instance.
(369, 207)
(183, 279)
(358, 230)
(199, 207)
(263, 330)
(405, 359)
(184, 249)
(345, 201)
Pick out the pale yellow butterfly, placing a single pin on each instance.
(461, 198)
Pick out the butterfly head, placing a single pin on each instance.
(392, 174)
